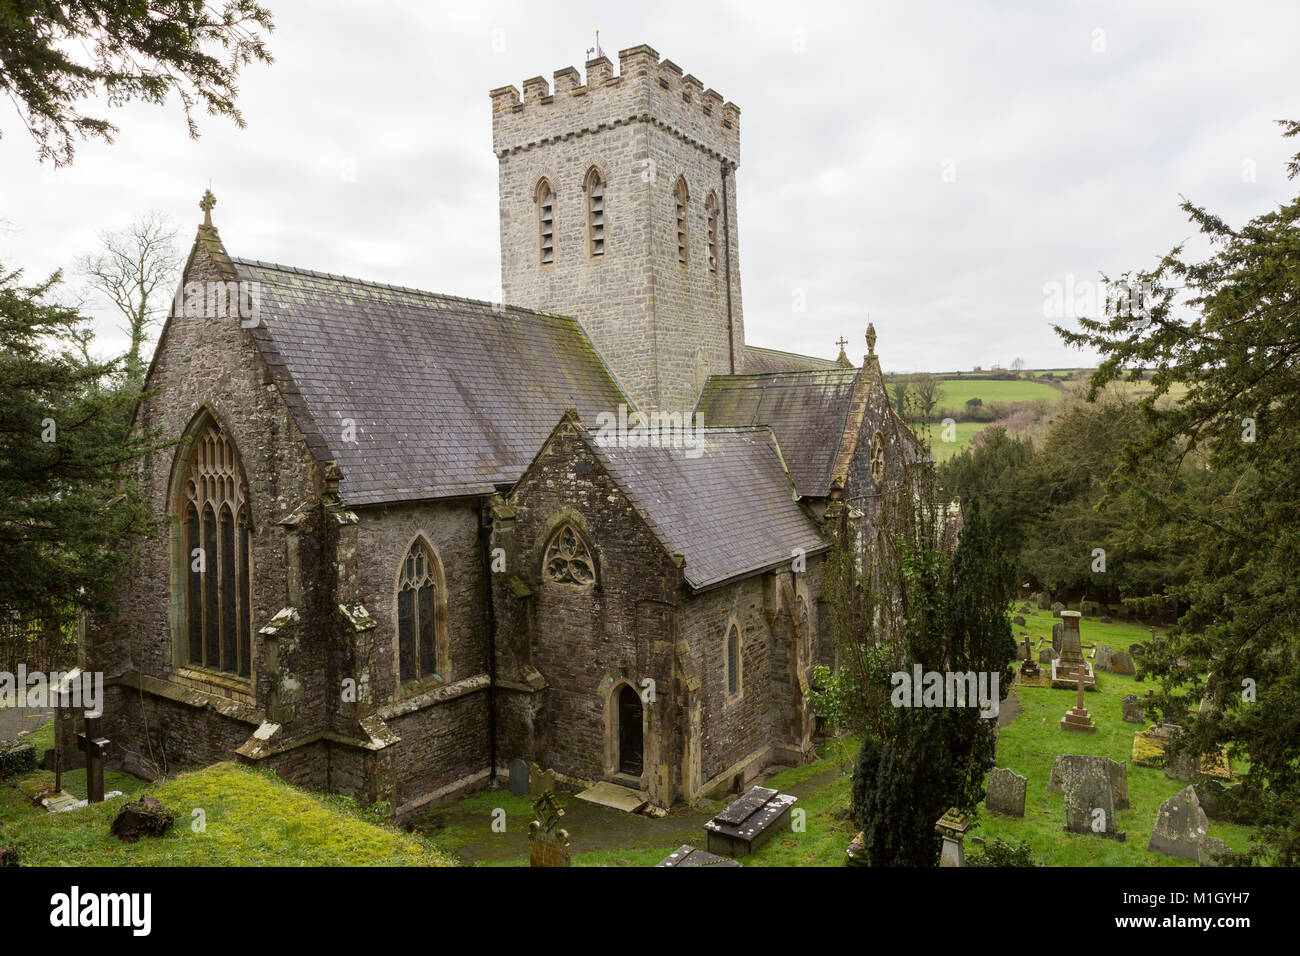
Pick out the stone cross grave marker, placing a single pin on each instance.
(96, 748)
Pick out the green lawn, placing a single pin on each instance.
(1030, 744)
(249, 818)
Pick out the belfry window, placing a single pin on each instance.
(681, 201)
(595, 214)
(711, 215)
(546, 221)
(217, 554)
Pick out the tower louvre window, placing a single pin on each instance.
(546, 221)
(682, 198)
(595, 214)
(711, 211)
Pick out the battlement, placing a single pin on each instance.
(645, 89)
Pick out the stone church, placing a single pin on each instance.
(412, 537)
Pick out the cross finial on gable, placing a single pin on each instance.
(206, 204)
(841, 342)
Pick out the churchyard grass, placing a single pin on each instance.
(1029, 746)
(250, 818)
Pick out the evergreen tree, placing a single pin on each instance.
(1227, 328)
(67, 497)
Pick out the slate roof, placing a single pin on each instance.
(730, 511)
(449, 397)
(760, 360)
(806, 410)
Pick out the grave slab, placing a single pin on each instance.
(608, 794)
(687, 855)
(749, 822)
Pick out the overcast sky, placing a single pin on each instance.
(932, 165)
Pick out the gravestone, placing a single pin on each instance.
(1054, 779)
(1090, 608)
(548, 842)
(952, 826)
(1046, 656)
(1044, 600)
(1118, 771)
(1057, 629)
(1183, 766)
(518, 778)
(539, 781)
(1058, 609)
(1136, 649)
(1134, 710)
(1025, 650)
(1065, 670)
(1101, 660)
(1006, 792)
(1214, 852)
(1018, 620)
(1211, 796)
(1181, 826)
(1122, 663)
(1089, 803)
(1077, 718)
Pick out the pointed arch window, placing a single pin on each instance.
(546, 221)
(216, 539)
(681, 200)
(733, 661)
(595, 189)
(711, 216)
(805, 630)
(568, 559)
(418, 606)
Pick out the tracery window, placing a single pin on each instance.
(568, 559)
(546, 221)
(878, 457)
(682, 198)
(595, 214)
(417, 611)
(217, 541)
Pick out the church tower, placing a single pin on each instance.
(618, 207)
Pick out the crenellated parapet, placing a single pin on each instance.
(646, 89)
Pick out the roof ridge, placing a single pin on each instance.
(374, 283)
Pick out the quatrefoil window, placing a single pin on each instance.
(878, 457)
(568, 559)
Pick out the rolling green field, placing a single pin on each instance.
(954, 393)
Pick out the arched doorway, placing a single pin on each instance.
(630, 743)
